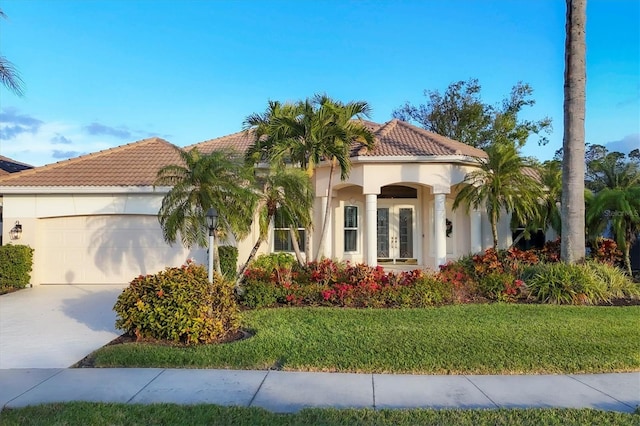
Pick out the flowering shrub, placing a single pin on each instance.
(463, 284)
(179, 305)
(606, 251)
(330, 283)
(502, 287)
(551, 251)
(504, 261)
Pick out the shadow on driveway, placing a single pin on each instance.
(55, 326)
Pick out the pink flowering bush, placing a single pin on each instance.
(330, 283)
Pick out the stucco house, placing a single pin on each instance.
(93, 219)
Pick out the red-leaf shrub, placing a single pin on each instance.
(330, 283)
(606, 251)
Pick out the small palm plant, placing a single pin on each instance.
(500, 185)
(220, 180)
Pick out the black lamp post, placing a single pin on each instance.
(212, 222)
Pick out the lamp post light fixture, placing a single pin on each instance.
(16, 232)
(212, 222)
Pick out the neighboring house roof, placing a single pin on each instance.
(137, 163)
(134, 164)
(532, 173)
(8, 165)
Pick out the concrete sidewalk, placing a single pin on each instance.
(280, 391)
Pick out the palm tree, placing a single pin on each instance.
(8, 73)
(286, 191)
(547, 212)
(339, 132)
(278, 128)
(500, 185)
(220, 180)
(551, 177)
(620, 208)
(309, 132)
(572, 248)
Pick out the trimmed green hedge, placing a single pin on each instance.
(16, 263)
(228, 261)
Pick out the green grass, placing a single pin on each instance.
(82, 413)
(461, 339)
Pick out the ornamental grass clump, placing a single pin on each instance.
(619, 284)
(178, 305)
(565, 284)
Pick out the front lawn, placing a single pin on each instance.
(82, 413)
(458, 339)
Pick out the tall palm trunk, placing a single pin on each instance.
(252, 254)
(296, 245)
(216, 254)
(627, 259)
(494, 229)
(572, 247)
(327, 210)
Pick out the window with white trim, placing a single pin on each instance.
(350, 228)
(282, 237)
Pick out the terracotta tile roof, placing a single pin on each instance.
(240, 141)
(532, 173)
(399, 138)
(9, 165)
(134, 164)
(137, 163)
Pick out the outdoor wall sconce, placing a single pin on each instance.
(16, 232)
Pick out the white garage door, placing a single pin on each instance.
(103, 249)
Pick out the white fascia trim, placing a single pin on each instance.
(464, 159)
(15, 190)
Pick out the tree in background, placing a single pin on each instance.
(460, 114)
(499, 185)
(220, 180)
(572, 246)
(8, 73)
(618, 208)
(613, 191)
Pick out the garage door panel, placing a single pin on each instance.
(103, 249)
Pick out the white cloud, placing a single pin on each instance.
(40, 147)
(626, 144)
(33, 141)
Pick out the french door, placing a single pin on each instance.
(396, 229)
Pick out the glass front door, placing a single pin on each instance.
(396, 227)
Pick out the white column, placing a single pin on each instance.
(440, 233)
(476, 231)
(371, 237)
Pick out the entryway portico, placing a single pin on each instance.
(399, 214)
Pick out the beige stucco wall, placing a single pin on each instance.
(92, 238)
(42, 215)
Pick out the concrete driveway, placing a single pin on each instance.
(55, 326)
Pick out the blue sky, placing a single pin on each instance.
(99, 74)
